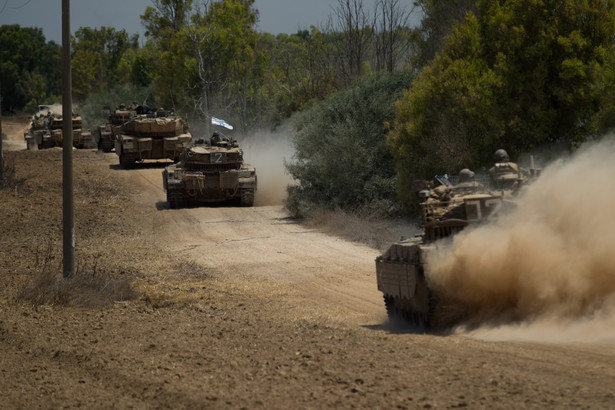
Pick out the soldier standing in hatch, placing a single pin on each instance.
(505, 174)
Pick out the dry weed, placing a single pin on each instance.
(8, 179)
(368, 228)
(87, 287)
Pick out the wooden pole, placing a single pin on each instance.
(68, 216)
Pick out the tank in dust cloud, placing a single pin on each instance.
(117, 117)
(211, 171)
(446, 209)
(151, 134)
(46, 131)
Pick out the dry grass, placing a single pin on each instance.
(86, 288)
(371, 229)
(8, 180)
(81, 290)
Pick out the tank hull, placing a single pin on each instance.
(46, 132)
(149, 137)
(208, 173)
(131, 149)
(211, 187)
(400, 273)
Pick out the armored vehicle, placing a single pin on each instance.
(38, 135)
(446, 209)
(117, 117)
(151, 134)
(46, 131)
(210, 171)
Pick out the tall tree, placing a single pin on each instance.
(25, 55)
(96, 55)
(439, 18)
(390, 24)
(166, 18)
(219, 48)
(162, 23)
(236, 21)
(298, 71)
(205, 50)
(517, 74)
(355, 32)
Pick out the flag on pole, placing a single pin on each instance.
(221, 123)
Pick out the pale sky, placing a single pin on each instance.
(276, 16)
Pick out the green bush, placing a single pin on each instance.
(341, 157)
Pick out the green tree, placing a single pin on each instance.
(140, 65)
(517, 74)
(169, 74)
(96, 57)
(166, 18)
(26, 60)
(299, 72)
(221, 63)
(235, 22)
(604, 120)
(439, 18)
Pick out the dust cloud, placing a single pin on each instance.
(545, 271)
(51, 108)
(267, 151)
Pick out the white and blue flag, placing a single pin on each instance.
(221, 123)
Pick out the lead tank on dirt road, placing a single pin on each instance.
(446, 209)
(151, 134)
(210, 171)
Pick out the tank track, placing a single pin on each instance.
(127, 160)
(247, 197)
(175, 199)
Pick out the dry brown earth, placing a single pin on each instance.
(235, 308)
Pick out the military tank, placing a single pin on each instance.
(117, 117)
(151, 134)
(448, 205)
(38, 134)
(210, 171)
(46, 131)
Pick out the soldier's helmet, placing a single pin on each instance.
(501, 156)
(465, 175)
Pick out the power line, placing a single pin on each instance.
(16, 7)
(3, 7)
(23, 5)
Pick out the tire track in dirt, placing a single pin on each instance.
(264, 249)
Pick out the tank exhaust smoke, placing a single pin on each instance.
(545, 271)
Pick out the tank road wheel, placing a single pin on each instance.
(127, 160)
(247, 197)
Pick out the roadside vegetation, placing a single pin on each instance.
(377, 101)
(342, 160)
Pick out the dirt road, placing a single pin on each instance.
(14, 128)
(237, 308)
(262, 245)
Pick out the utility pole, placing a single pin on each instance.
(68, 216)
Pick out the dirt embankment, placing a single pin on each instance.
(235, 308)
